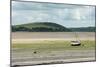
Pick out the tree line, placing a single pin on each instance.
(39, 29)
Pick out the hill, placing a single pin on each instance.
(40, 27)
(84, 29)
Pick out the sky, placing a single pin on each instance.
(64, 14)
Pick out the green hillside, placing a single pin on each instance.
(40, 27)
(84, 29)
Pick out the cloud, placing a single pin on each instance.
(67, 15)
(85, 13)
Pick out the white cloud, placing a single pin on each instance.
(77, 15)
(37, 12)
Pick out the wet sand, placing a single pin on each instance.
(28, 58)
